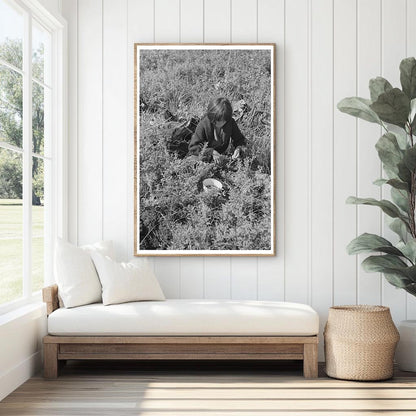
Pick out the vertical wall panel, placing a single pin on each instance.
(244, 30)
(296, 152)
(70, 11)
(140, 30)
(217, 21)
(192, 21)
(411, 28)
(321, 165)
(244, 21)
(114, 124)
(140, 23)
(345, 151)
(140, 15)
(411, 51)
(167, 28)
(168, 274)
(217, 28)
(393, 51)
(217, 278)
(369, 167)
(192, 30)
(90, 183)
(314, 174)
(271, 29)
(167, 14)
(244, 278)
(192, 277)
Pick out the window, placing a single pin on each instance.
(31, 141)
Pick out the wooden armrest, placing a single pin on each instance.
(50, 297)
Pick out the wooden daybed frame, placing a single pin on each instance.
(58, 349)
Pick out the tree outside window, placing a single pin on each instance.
(13, 227)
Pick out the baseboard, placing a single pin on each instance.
(11, 379)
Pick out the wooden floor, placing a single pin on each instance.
(221, 389)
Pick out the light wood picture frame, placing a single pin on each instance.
(204, 151)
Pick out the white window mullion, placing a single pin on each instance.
(9, 146)
(50, 180)
(53, 156)
(27, 157)
(12, 67)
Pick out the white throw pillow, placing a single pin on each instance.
(126, 282)
(75, 273)
(103, 247)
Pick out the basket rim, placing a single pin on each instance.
(360, 308)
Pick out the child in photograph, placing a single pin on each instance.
(216, 131)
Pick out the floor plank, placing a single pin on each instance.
(226, 389)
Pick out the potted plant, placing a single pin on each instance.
(394, 109)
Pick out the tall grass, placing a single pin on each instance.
(175, 212)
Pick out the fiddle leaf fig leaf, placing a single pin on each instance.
(392, 107)
(404, 172)
(410, 158)
(412, 116)
(378, 86)
(366, 243)
(359, 107)
(411, 289)
(381, 263)
(400, 228)
(389, 151)
(388, 207)
(390, 173)
(395, 183)
(408, 249)
(395, 270)
(380, 182)
(398, 184)
(408, 77)
(397, 280)
(400, 198)
(401, 139)
(411, 273)
(412, 110)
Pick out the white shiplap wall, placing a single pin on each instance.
(326, 50)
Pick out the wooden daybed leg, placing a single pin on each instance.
(50, 360)
(310, 360)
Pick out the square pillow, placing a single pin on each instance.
(103, 247)
(75, 273)
(126, 282)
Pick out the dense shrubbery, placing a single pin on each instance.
(175, 212)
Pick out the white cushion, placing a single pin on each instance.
(187, 317)
(126, 282)
(103, 247)
(75, 273)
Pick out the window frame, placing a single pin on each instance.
(58, 215)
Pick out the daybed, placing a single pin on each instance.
(181, 329)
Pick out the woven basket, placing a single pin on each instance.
(360, 342)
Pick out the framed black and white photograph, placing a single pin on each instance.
(204, 150)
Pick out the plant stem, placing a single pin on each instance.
(412, 196)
